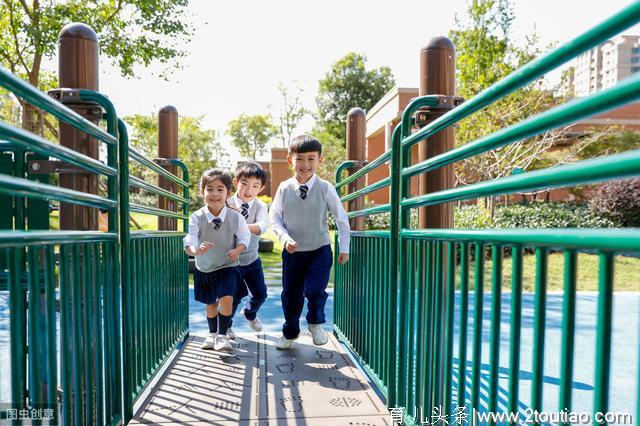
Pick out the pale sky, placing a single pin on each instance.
(242, 49)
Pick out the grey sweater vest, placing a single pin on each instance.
(223, 239)
(306, 220)
(250, 255)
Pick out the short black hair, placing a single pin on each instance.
(251, 169)
(215, 174)
(304, 143)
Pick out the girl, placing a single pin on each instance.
(217, 235)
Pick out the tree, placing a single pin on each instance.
(197, 147)
(131, 32)
(290, 113)
(251, 134)
(349, 84)
(485, 55)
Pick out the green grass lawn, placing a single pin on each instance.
(138, 222)
(626, 269)
(626, 273)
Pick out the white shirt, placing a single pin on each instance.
(262, 218)
(243, 236)
(334, 205)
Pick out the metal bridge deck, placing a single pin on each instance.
(256, 384)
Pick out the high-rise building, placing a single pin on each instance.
(605, 65)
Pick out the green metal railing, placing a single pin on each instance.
(122, 296)
(396, 298)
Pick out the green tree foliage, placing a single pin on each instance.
(486, 54)
(251, 134)
(197, 147)
(348, 84)
(131, 32)
(290, 113)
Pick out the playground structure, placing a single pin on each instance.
(123, 295)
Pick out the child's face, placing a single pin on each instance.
(305, 164)
(215, 194)
(248, 187)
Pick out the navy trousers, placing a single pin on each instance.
(305, 274)
(251, 283)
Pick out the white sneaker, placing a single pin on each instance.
(255, 324)
(317, 333)
(209, 342)
(222, 343)
(230, 334)
(284, 343)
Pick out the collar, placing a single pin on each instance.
(309, 183)
(210, 216)
(238, 202)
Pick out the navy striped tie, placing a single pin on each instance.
(216, 223)
(303, 191)
(245, 211)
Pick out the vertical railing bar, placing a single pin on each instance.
(34, 327)
(17, 327)
(539, 328)
(464, 314)
(419, 321)
(98, 311)
(78, 371)
(50, 285)
(568, 329)
(87, 334)
(603, 339)
(516, 320)
(427, 308)
(438, 337)
(65, 330)
(496, 306)
(449, 327)
(477, 326)
(410, 335)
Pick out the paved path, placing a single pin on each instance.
(256, 384)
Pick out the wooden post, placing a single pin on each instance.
(356, 132)
(437, 77)
(78, 59)
(167, 148)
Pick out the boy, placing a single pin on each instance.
(250, 180)
(299, 219)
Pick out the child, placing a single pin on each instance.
(217, 235)
(299, 219)
(249, 182)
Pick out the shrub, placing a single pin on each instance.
(472, 217)
(550, 215)
(618, 201)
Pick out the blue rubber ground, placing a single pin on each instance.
(625, 345)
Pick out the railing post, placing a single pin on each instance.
(167, 148)
(437, 77)
(356, 132)
(78, 59)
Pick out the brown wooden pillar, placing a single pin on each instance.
(356, 133)
(167, 148)
(437, 77)
(78, 59)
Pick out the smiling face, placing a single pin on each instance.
(305, 164)
(215, 195)
(248, 187)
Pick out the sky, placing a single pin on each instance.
(242, 49)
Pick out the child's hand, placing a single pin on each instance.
(203, 248)
(291, 246)
(233, 254)
(343, 258)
